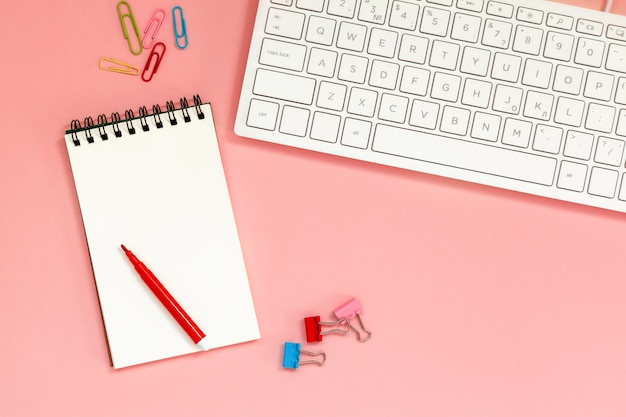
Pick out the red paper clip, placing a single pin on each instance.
(157, 20)
(155, 67)
(314, 332)
(349, 310)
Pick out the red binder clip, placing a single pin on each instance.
(314, 331)
(349, 310)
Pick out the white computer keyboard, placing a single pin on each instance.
(523, 95)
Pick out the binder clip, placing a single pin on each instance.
(314, 332)
(349, 310)
(291, 357)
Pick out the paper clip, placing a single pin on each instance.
(314, 332)
(157, 20)
(118, 66)
(129, 15)
(159, 57)
(349, 310)
(183, 27)
(291, 358)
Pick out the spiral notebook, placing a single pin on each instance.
(155, 183)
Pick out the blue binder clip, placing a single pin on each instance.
(291, 358)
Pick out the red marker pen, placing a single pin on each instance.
(192, 329)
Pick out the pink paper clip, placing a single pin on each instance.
(152, 69)
(314, 332)
(349, 310)
(157, 21)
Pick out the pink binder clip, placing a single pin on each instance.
(314, 332)
(349, 310)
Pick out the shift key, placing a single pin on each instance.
(283, 86)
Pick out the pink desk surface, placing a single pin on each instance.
(482, 302)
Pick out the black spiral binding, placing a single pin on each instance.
(129, 118)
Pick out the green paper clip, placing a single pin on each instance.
(129, 15)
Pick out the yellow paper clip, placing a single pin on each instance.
(157, 21)
(129, 15)
(118, 66)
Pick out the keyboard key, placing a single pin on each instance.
(616, 58)
(599, 86)
(331, 96)
(294, 121)
(356, 133)
(351, 36)
(560, 21)
(284, 86)
(559, 46)
(537, 73)
(404, 15)
(568, 79)
(393, 108)
(444, 55)
(569, 111)
(589, 27)
(414, 81)
(475, 61)
(280, 54)
(528, 40)
(321, 30)
(486, 126)
(322, 62)
(616, 32)
(525, 14)
(497, 34)
(620, 94)
(603, 182)
(382, 43)
(362, 102)
(424, 114)
(413, 49)
(517, 132)
(314, 5)
(435, 21)
(463, 154)
(284, 23)
(578, 145)
(384, 74)
(440, 2)
(621, 123)
(352, 68)
(466, 28)
(476, 93)
(342, 8)
(609, 151)
(496, 8)
(506, 67)
(507, 99)
(455, 120)
(589, 52)
(325, 127)
(538, 105)
(471, 5)
(572, 176)
(445, 87)
(373, 11)
(548, 139)
(600, 118)
(282, 2)
(262, 114)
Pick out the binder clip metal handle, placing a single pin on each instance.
(291, 357)
(314, 332)
(349, 310)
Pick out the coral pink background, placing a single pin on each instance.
(482, 302)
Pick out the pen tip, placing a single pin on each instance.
(124, 248)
